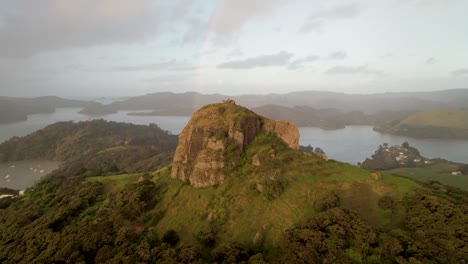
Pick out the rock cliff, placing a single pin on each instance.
(215, 130)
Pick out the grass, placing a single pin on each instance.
(437, 172)
(308, 178)
(114, 182)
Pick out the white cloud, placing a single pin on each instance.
(279, 59)
(299, 63)
(318, 19)
(431, 60)
(363, 70)
(337, 55)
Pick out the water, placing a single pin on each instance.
(174, 124)
(20, 175)
(352, 144)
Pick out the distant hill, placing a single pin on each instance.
(94, 147)
(17, 109)
(305, 116)
(430, 124)
(168, 103)
(238, 191)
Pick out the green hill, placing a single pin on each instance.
(94, 147)
(431, 124)
(263, 202)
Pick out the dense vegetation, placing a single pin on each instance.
(390, 157)
(94, 147)
(430, 124)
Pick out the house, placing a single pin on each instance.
(417, 160)
(456, 173)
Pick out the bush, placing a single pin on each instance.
(206, 235)
(329, 201)
(171, 237)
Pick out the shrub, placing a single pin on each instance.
(171, 237)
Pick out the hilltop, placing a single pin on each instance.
(238, 191)
(14, 109)
(431, 124)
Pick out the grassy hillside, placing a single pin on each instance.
(440, 172)
(431, 124)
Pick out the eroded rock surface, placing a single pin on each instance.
(212, 132)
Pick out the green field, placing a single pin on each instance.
(440, 172)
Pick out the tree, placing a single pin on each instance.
(171, 237)
(319, 150)
(464, 170)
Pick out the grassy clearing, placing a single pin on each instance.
(438, 172)
(114, 182)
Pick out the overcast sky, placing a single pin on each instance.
(134, 47)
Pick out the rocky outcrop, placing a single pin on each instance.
(200, 157)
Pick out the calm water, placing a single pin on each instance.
(352, 144)
(23, 174)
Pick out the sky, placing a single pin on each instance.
(79, 48)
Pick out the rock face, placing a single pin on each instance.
(200, 157)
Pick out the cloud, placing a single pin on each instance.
(338, 55)
(318, 19)
(299, 63)
(235, 53)
(429, 2)
(230, 16)
(279, 59)
(169, 79)
(41, 26)
(172, 65)
(431, 60)
(363, 70)
(459, 72)
(197, 30)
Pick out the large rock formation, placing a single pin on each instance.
(200, 157)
